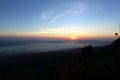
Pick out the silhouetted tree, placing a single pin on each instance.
(117, 35)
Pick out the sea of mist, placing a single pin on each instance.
(20, 46)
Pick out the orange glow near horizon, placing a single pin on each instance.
(70, 36)
(73, 37)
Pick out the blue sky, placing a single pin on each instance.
(59, 18)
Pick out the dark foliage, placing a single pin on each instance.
(99, 63)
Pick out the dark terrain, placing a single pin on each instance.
(99, 63)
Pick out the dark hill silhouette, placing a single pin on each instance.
(116, 43)
(99, 63)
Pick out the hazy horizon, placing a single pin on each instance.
(17, 45)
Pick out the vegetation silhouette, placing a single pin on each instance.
(116, 34)
(86, 63)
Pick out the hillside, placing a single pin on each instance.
(77, 64)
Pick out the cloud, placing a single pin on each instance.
(79, 30)
(45, 15)
(65, 29)
(76, 8)
(61, 30)
(55, 18)
(54, 13)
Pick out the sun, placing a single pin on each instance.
(73, 37)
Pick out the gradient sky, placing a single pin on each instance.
(59, 18)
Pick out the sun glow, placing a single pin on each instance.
(73, 37)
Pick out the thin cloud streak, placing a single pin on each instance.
(75, 8)
(45, 15)
(68, 30)
(55, 18)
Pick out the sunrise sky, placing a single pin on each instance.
(59, 18)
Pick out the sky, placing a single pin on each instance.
(60, 18)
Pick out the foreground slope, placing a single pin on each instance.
(77, 64)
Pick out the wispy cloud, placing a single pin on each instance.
(74, 8)
(71, 30)
(77, 8)
(76, 29)
(45, 15)
(55, 18)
